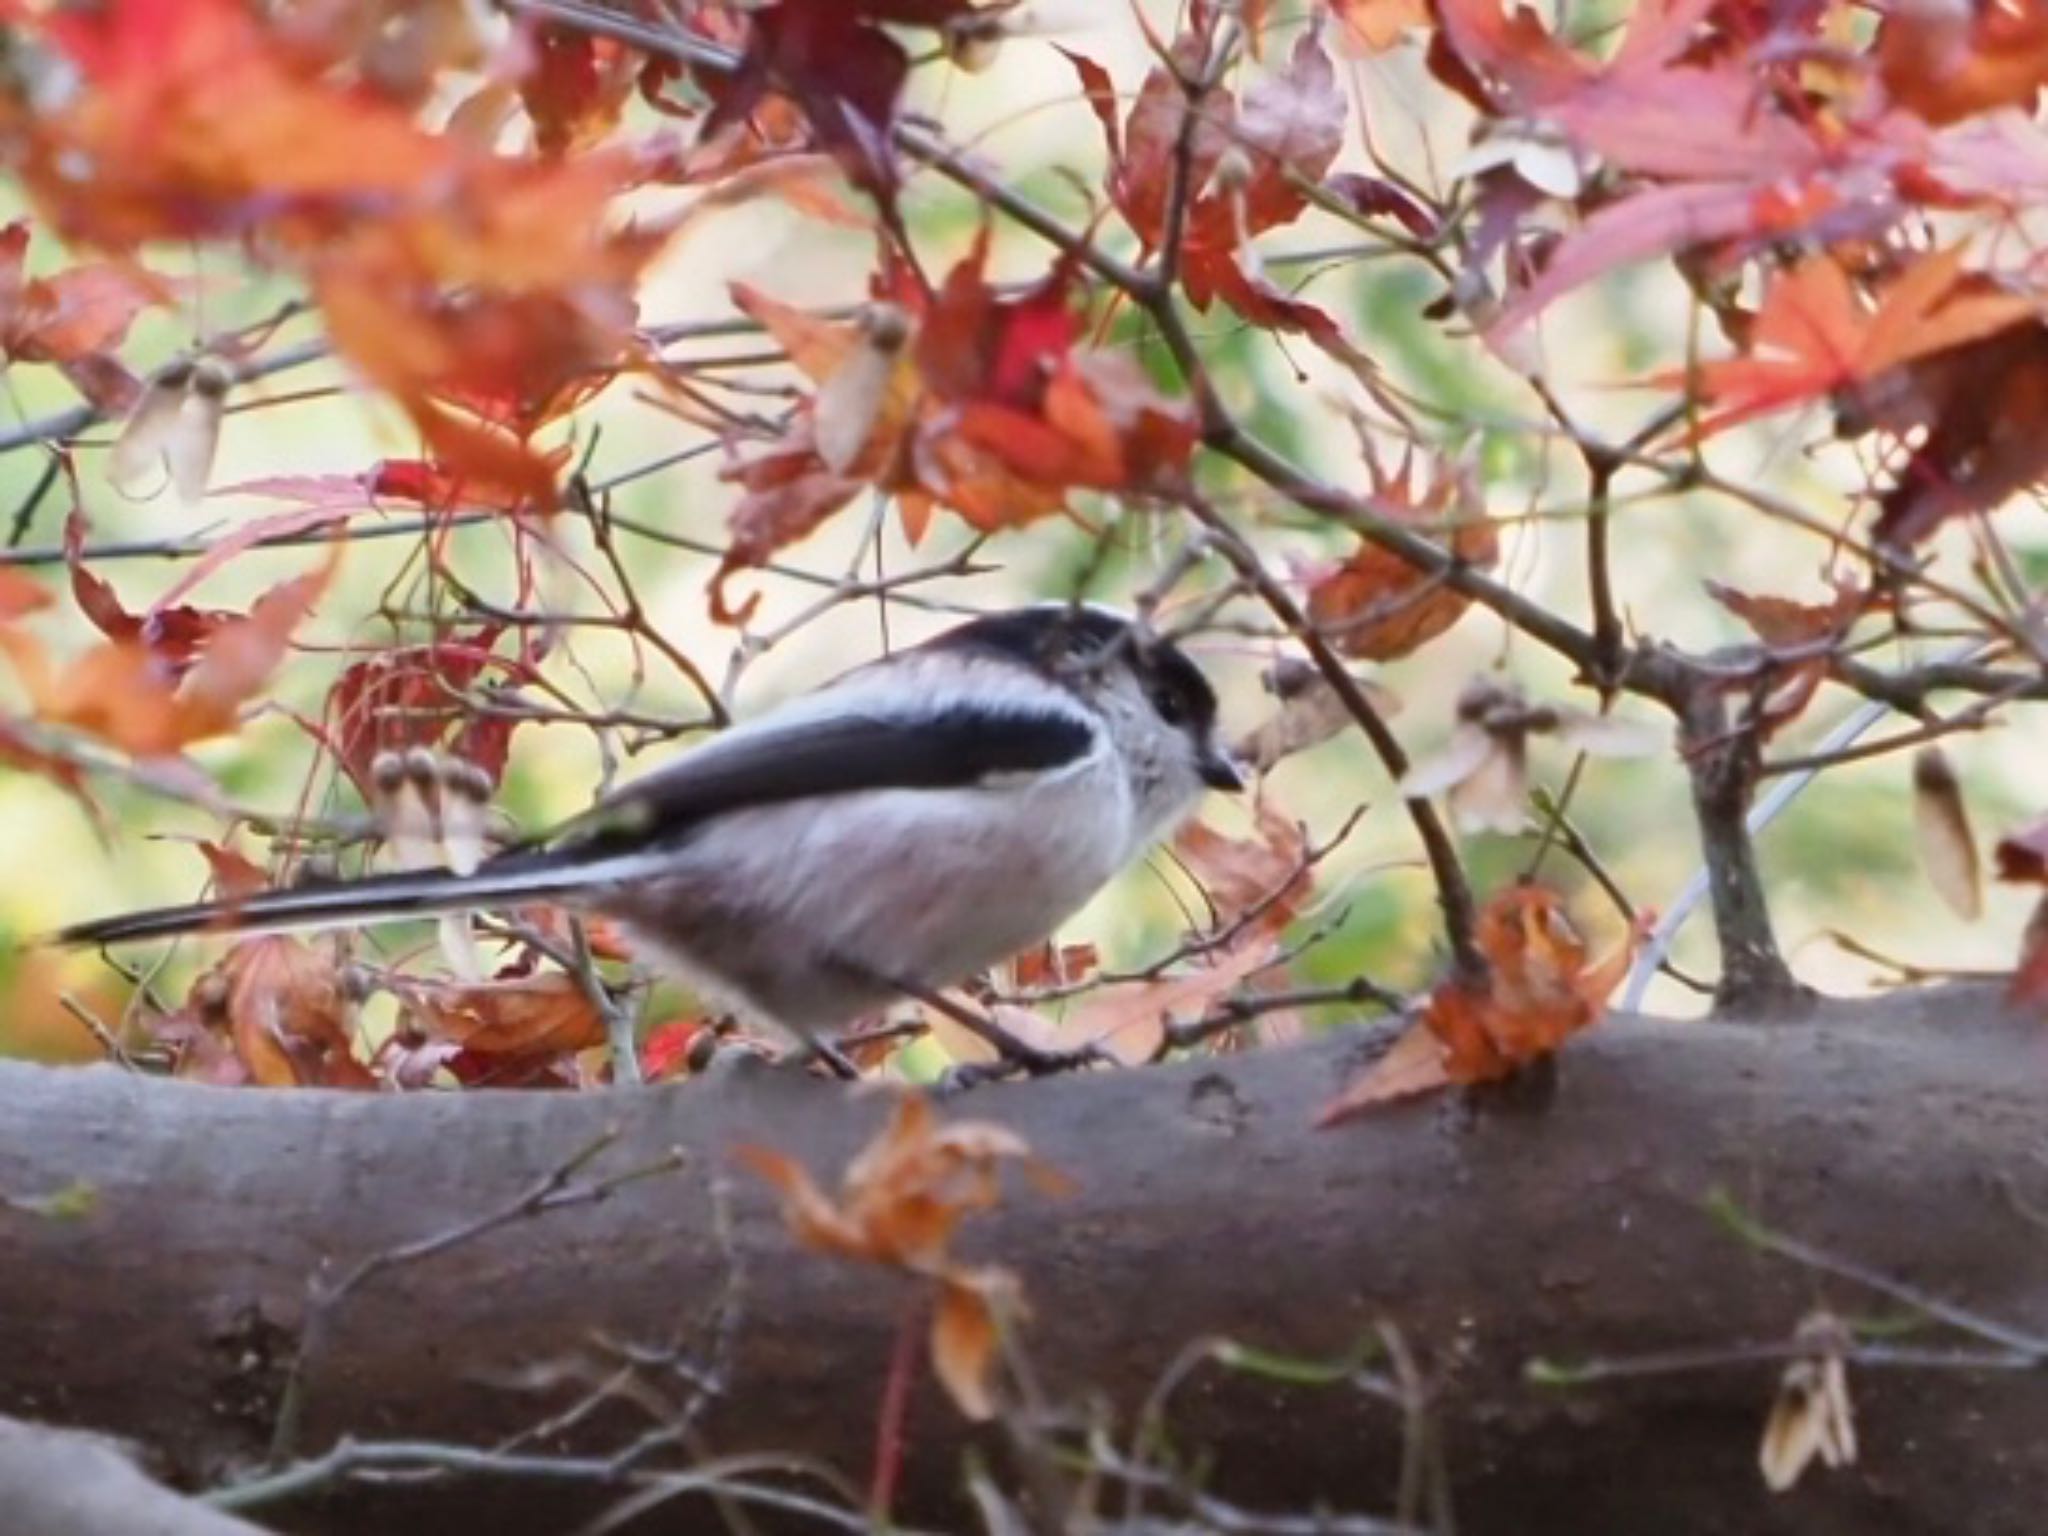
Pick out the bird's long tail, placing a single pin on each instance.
(519, 875)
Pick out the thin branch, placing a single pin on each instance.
(1962, 1319)
(1722, 763)
(394, 1460)
(1454, 893)
(553, 1191)
(1233, 1012)
(65, 425)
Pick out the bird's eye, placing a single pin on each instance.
(1168, 704)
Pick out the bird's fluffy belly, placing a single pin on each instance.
(917, 886)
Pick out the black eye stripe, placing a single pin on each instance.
(1065, 641)
(1177, 688)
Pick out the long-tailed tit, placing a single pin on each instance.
(896, 831)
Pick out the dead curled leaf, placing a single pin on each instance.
(1130, 1020)
(1541, 988)
(1378, 607)
(967, 1321)
(286, 1012)
(900, 1201)
(1801, 637)
(546, 1015)
(1263, 879)
(1255, 887)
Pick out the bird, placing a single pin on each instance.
(890, 834)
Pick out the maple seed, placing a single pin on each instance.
(469, 782)
(851, 400)
(974, 39)
(1233, 170)
(1948, 847)
(1310, 712)
(465, 795)
(1484, 770)
(175, 426)
(423, 768)
(139, 449)
(432, 810)
(1541, 988)
(1810, 1415)
(884, 326)
(900, 1200)
(404, 813)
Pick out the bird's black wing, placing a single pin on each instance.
(842, 754)
(804, 759)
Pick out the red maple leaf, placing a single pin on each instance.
(981, 401)
(840, 70)
(1736, 150)
(1248, 169)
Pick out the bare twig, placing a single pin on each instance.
(555, 1190)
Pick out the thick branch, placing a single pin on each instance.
(1722, 761)
(1899, 1136)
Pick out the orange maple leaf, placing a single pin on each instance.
(1946, 62)
(1814, 336)
(139, 700)
(1374, 26)
(188, 111)
(77, 313)
(900, 1201)
(496, 285)
(1377, 606)
(1541, 988)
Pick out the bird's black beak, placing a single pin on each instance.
(1219, 772)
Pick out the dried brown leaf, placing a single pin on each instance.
(287, 1013)
(547, 1015)
(1415, 1063)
